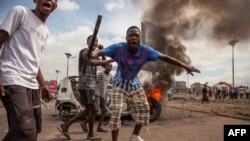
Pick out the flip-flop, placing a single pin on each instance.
(66, 134)
(95, 138)
(84, 127)
(101, 130)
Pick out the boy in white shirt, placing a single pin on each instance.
(23, 36)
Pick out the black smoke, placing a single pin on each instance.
(176, 20)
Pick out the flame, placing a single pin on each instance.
(156, 92)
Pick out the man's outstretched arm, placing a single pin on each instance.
(173, 61)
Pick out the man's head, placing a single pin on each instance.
(45, 7)
(133, 38)
(89, 39)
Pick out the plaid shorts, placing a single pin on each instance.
(137, 104)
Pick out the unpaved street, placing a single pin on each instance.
(173, 125)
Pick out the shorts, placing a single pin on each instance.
(137, 103)
(101, 103)
(87, 96)
(23, 109)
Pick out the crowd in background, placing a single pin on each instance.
(240, 92)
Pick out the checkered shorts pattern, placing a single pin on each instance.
(137, 104)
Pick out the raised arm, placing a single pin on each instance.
(99, 62)
(176, 62)
(94, 55)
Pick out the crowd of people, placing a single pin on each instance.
(222, 93)
(234, 93)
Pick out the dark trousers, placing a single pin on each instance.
(23, 113)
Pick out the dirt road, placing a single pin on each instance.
(172, 125)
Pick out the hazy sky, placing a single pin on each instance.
(200, 27)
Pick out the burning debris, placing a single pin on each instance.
(155, 92)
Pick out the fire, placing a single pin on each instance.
(156, 92)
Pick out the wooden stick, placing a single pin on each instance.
(48, 108)
(91, 45)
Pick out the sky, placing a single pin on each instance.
(199, 27)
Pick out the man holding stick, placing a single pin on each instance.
(87, 87)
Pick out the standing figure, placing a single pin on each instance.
(204, 94)
(104, 78)
(130, 57)
(241, 92)
(23, 37)
(217, 94)
(210, 92)
(170, 94)
(87, 90)
(235, 92)
(247, 92)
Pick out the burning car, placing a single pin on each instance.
(67, 102)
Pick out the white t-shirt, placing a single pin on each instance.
(20, 55)
(247, 90)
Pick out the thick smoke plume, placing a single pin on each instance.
(175, 20)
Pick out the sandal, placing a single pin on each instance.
(94, 138)
(63, 132)
(84, 127)
(101, 130)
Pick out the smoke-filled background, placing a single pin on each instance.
(171, 21)
(196, 32)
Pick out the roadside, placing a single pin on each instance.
(229, 108)
(176, 123)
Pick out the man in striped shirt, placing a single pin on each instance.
(87, 90)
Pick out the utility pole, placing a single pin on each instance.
(232, 43)
(57, 71)
(68, 56)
